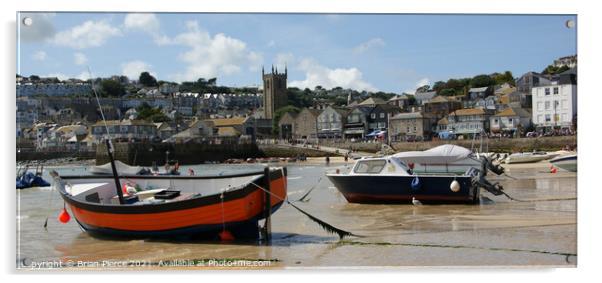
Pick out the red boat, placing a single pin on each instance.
(174, 206)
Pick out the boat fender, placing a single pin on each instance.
(226, 236)
(454, 186)
(416, 184)
(64, 216)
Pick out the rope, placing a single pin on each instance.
(223, 217)
(535, 200)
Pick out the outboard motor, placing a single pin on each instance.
(479, 180)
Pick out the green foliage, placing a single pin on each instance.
(298, 98)
(112, 88)
(482, 81)
(506, 77)
(207, 86)
(553, 70)
(148, 113)
(147, 80)
(34, 78)
(279, 113)
(447, 92)
(423, 88)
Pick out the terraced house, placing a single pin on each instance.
(468, 122)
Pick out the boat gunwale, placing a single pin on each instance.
(164, 177)
(193, 202)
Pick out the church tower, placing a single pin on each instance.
(274, 91)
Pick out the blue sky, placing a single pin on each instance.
(394, 53)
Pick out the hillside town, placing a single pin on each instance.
(55, 115)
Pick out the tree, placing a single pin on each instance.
(148, 113)
(112, 88)
(438, 86)
(34, 78)
(423, 88)
(447, 92)
(553, 70)
(506, 77)
(212, 81)
(147, 79)
(482, 81)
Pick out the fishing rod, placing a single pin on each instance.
(327, 227)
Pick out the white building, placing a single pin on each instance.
(555, 104)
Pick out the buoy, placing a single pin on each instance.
(416, 183)
(64, 216)
(554, 170)
(225, 235)
(454, 186)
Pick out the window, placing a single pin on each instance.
(565, 104)
(556, 90)
(539, 106)
(510, 120)
(370, 166)
(547, 91)
(373, 116)
(547, 105)
(548, 118)
(382, 115)
(539, 118)
(565, 118)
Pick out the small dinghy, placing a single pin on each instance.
(527, 157)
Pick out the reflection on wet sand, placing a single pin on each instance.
(538, 230)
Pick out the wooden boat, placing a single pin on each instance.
(566, 162)
(173, 206)
(390, 180)
(527, 157)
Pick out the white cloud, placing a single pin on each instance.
(421, 82)
(39, 56)
(316, 74)
(284, 59)
(59, 76)
(88, 34)
(84, 76)
(133, 69)
(210, 56)
(142, 21)
(80, 58)
(365, 46)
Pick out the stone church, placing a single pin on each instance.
(274, 91)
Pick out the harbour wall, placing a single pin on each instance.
(144, 154)
(494, 145)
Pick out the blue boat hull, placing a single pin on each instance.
(399, 189)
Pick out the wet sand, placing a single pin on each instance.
(538, 231)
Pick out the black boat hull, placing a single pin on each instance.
(399, 189)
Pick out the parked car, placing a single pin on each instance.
(531, 135)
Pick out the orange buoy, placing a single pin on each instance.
(225, 235)
(64, 216)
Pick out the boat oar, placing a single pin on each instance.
(327, 227)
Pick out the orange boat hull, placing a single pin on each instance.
(237, 212)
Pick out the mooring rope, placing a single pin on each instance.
(535, 200)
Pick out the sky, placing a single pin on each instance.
(385, 52)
